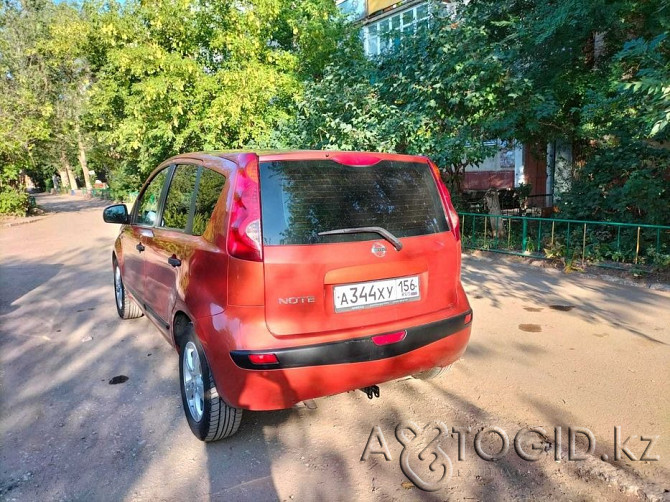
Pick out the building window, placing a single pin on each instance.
(380, 36)
(353, 9)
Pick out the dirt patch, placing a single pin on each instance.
(530, 328)
(562, 308)
(533, 309)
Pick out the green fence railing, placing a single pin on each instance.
(109, 194)
(606, 244)
(100, 193)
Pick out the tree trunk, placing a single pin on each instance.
(82, 161)
(68, 168)
(456, 174)
(493, 204)
(64, 181)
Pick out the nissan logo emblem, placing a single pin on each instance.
(378, 249)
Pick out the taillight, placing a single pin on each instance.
(452, 215)
(244, 228)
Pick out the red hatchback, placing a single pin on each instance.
(285, 276)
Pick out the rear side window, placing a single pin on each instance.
(179, 196)
(210, 186)
(302, 198)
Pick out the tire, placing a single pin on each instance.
(125, 305)
(209, 417)
(431, 373)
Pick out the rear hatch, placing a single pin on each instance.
(326, 270)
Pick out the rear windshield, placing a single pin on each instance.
(304, 197)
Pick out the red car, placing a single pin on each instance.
(285, 276)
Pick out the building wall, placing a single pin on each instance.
(497, 171)
(483, 180)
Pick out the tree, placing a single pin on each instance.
(121, 86)
(177, 76)
(24, 114)
(44, 87)
(413, 99)
(592, 74)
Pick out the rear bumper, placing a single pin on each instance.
(317, 370)
(355, 350)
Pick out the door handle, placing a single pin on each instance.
(174, 261)
(140, 247)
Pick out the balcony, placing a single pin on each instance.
(359, 9)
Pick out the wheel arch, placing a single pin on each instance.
(180, 324)
(117, 253)
(117, 260)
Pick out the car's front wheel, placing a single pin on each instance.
(125, 306)
(209, 417)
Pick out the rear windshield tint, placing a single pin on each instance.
(302, 198)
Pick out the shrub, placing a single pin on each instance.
(14, 201)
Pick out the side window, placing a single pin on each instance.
(209, 189)
(147, 206)
(178, 201)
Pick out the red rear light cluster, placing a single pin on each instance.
(245, 239)
(452, 215)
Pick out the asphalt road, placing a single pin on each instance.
(548, 349)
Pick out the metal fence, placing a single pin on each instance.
(100, 193)
(605, 244)
(103, 193)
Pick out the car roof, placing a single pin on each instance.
(346, 157)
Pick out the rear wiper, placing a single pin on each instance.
(366, 230)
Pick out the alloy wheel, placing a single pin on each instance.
(193, 384)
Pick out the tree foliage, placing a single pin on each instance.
(120, 86)
(413, 99)
(128, 84)
(593, 74)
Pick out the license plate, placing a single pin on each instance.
(364, 295)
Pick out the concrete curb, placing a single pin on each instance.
(27, 221)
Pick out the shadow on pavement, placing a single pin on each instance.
(611, 305)
(21, 278)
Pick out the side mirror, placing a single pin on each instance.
(118, 213)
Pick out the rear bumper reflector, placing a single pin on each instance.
(390, 338)
(355, 350)
(263, 359)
